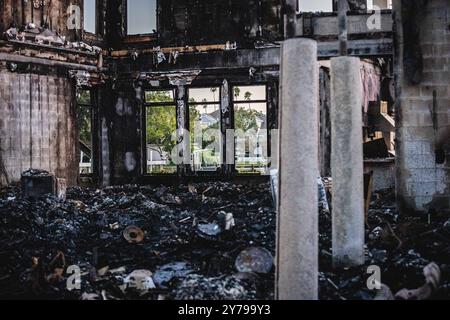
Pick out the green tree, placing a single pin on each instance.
(84, 116)
(84, 124)
(161, 121)
(237, 92)
(214, 90)
(248, 97)
(246, 119)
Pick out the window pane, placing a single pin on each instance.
(199, 95)
(84, 116)
(251, 138)
(206, 145)
(84, 97)
(159, 96)
(89, 9)
(249, 93)
(316, 5)
(161, 125)
(141, 16)
(382, 4)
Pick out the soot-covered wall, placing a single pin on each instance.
(192, 22)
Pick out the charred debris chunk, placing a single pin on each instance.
(199, 241)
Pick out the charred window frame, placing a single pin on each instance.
(167, 109)
(129, 32)
(237, 101)
(200, 162)
(86, 126)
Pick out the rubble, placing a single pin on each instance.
(141, 280)
(197, 287)
(208, 230)
(133, 234)
(402, 246)
(432, 275)
(254, 259)
(40, 239)
(166, 273)
(101, 232)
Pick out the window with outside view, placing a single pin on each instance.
(204, 128)
(250, 124)
(161, 126)
(84, 124)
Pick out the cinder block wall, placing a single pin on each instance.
(422, 62)
(37, 125)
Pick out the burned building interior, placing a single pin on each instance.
(101, 173)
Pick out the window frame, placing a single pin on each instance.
(93, 116)
(145, 107)
(218, 102)
(233, 102)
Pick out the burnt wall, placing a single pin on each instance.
(423, 105)
(120, 133)
(122, 128)
(193, 22)
(325, 122)
(37, 125)
(51, 14)
(353, 5)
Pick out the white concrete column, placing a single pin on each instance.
(297, 229)
(347, 162)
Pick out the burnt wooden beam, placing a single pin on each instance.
(325, 26)
(246, 58)
(342, 27)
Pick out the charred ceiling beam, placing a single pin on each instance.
(326, 27)
(46, 62)
(245, 58)
(232, 59)
(362, 38)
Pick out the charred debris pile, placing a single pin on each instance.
(202, 241)
(198, 241)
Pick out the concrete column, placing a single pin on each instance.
(297, 229)
(347, 162)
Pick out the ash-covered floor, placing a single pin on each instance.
(185, 250)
